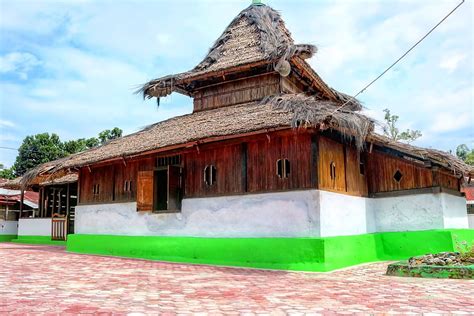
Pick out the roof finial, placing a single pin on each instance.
(257, 2)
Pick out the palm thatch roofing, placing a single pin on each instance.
(435, 156)
(256, 36)
(273, 113)
(40, 177)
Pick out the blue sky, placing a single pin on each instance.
(70, 67)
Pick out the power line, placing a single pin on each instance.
(401, 57)
(10, 148)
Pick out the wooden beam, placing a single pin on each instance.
(22, 197)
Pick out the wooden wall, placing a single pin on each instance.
(356, 181)
(249, 165)
(263, 154)
(111, 180)
(339, 168)
(383, 167)
(228, 163)
(236, 92)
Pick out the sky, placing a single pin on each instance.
(71, 67)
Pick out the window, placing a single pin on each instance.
(168, 161)
(127, 186)
(397, 176)
(332, 170)
(95, 189)
(283, 168)
(362, 168)
(210, 173)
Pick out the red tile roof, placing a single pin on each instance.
(469, 191)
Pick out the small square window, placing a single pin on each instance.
(397, 176)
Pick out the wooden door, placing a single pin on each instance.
(174, 188)
(145, 190)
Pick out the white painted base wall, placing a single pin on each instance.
(342, 215)
(418, 212)
(8, 227)
(34, 227)
(289, 214)
(308, 213)
(471, 220)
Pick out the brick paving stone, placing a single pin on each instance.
(46, 280)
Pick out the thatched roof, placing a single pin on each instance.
(33, 177)
(256, 36)
(277, 112)
(68, 178)
(204, 126)
(323, 114)
(438, 157)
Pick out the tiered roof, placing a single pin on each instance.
(257, 36)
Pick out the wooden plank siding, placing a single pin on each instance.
(331, 152)
(382, 168)
(356, 182)
(249, 165)
(262, 156)
(228, 163)
(446, 180)
(236, 92)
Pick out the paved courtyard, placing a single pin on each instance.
(47, 280)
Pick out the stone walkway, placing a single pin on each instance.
(47, 280)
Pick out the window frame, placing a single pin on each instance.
(283, 168)
(212, 175)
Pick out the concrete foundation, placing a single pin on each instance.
(286, 214)
(34, 227)
(8, 227)
(308, 213)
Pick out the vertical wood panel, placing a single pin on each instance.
(228, 163)
(145, 190)
(331, 151)
(356, 182)
(382, 168)
(236, 92)
(262, 158)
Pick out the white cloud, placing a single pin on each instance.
(6, 124)
(92, 55)
(449, 122)
(19, 63)
(451, 63)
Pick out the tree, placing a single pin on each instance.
(38, 149)
(391, 130)
(108, 134)
(464, 153)
(81, 144)
(41, 148)
(6, 173)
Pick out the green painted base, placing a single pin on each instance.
(303, 254)
(440, 272)
(42, 240)
(4, 238)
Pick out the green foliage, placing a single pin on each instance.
(464, 153)
(465, 249)
(107, 135)
(41, 148)
(391, 130)
(81, 144)
(38, 149)
(6, 173)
